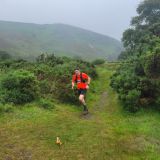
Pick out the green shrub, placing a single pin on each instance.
(46, 104)
(132, 100)
(152, 64)
(138, 82)
(19, 87)
(50, 76)
(6, 108)
(45, 87)
(63, 76)
(125, 82)
(62, 89)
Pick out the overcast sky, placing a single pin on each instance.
(109, 17)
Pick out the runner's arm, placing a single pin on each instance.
(73, 82)
(89, 80)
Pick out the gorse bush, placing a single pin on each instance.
(132, 100)
(129, 78)
(46, 104)
(137, 80)
(19, 87)
(55, 75)
(152, 64)
(6, 108)
(49, 77)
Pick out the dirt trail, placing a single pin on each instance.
(100, 105)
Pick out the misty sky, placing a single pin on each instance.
(110, 17)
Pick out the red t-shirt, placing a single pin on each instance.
(80, 85)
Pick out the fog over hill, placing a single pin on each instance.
(29, 40)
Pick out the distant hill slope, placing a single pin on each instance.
(30, 40)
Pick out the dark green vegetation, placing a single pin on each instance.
(137, 81)
(19, 87)
(29, 133)
(31, 40)
(49, 77)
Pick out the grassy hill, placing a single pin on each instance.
(29, 40)
(108, 133)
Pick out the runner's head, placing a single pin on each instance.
(77, 71)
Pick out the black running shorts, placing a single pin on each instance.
(82, 91)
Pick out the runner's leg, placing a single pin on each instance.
(82, 100)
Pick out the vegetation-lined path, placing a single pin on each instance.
(108, 134)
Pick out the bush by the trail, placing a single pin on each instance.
(132, 100)
(143, 79)
(64, 74)
(56, 80)
(63, 90)
(45, 87)
(50, 59)
(8, 65)
(6, 108)
(152, 64)
(50, 77)
(142, 52)
(19, 87)
(46, 104)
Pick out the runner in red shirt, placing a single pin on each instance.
(82, 80)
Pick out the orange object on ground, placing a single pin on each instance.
(58, 141)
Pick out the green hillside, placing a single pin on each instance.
(28, 40)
